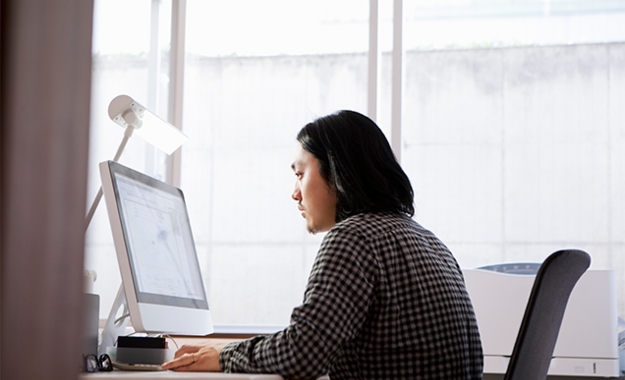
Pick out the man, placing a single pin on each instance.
(385, 299)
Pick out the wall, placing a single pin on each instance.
(513, 153)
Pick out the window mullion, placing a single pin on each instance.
(176, 82)
(374, 60)
(397, 81)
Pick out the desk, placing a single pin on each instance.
(171, 375)
(160, 375)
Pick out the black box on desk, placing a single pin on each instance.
(141, 350)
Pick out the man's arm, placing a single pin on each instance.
(335, 306)
(336, 302)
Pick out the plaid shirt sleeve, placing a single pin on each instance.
(365, 314)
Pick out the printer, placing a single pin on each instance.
(587, 344)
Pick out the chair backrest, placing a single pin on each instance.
(543, 315)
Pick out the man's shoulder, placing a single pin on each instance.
(371, 224)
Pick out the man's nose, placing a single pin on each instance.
(297, 194)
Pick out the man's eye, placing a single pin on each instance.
(298, 174)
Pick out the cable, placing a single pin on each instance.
(122, 318)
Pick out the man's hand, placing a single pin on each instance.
(198, 358)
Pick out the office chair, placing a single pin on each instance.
(537, 336)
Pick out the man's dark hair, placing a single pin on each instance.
(356, 160)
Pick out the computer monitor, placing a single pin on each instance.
(156, 253)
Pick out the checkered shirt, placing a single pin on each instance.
(385, 300)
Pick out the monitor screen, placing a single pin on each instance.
(156, 253)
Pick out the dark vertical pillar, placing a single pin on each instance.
(44, 112)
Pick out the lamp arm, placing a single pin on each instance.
(129, 130)
(122, 146)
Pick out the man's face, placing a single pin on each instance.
(316, 200)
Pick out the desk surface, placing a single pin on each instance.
(160, 375)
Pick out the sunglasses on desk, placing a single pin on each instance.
(92, 363)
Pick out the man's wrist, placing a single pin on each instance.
(224, 357)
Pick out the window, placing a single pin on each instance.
(130, 56)
(252, 80)
(510, 129)
(469, 24)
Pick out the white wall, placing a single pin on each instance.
(517, 152)
(513, 153)
(242, 116)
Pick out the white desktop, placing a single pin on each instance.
(156, 253)
(162, 288)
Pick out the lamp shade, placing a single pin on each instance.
(127, 112)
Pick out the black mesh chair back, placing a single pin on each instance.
(543, 315)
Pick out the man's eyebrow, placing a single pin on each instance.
(296, 163)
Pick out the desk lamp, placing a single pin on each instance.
(137, 119)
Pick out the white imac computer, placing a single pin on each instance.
(161, 278)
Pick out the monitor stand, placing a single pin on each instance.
(115, 326)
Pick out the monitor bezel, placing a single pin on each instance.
(151, 312)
